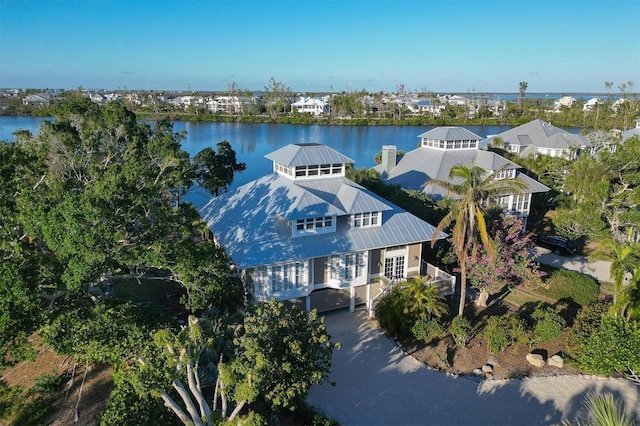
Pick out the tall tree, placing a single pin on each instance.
(277, 97)
(215, 170)
(522, 89)
(101, 197)
(472, 187)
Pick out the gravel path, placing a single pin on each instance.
(377, 384)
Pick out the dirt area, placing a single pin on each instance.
(84, 396)
(445, 356)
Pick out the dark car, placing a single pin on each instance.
(558, 245)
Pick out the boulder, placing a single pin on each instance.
(535, 359)
(487, 368)
(556, 361)
(477, 372)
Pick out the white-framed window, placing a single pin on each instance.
(365, 220)
(505, 174)
(314, 170)
(282, 277)
(348, 267)
(314, 225)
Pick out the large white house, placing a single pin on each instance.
(445, 147)
(307, 233)
(313, 106)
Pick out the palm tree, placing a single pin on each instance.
(473, 187)
(628, 303)
(624, 258)
(422, 300)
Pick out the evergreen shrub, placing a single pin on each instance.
(427, 330)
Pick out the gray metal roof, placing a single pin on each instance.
(450, 133)
(628, 134)
(307, 154)
(417, 168)
(540, 134)
(250, 221)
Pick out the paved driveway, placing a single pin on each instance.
(598, 269)
(377, 384)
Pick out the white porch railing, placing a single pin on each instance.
(443, 281)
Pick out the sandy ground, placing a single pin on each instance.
(378, 384)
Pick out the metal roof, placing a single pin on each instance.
(450, 133)
(307, 154)
(250, 222)
(417, 168)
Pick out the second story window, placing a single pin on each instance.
(505, 174)
(314, 225)
(319, 170)
(365, 220)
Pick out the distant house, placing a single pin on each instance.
(591, 104)
(635, 131)
(313, 106)
(307, 234)
(425, 105)
(565, 101)
(540, 138)
(445, 147)
(38, 99)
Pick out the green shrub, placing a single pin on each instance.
(613, 348)
(390, 315)
(548, 325)
(571, 285)
(503, 331)
(427, 330)
(47, 383)
(460, 330)
(586, 323)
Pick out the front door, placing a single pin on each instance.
(394, 267)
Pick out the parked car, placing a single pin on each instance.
(558, 245)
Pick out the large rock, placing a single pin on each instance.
(535, 359)
(556, 361)
(487, 368)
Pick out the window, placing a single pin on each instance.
(347, 267)
(318, 170)
(365, 220)
(275, 278)
(504, 174)
(315, 223)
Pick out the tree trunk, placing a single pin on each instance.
(171, 404)
(191, 408)
(482, 298)
(463, 286)
(237, 410)
(194, 387)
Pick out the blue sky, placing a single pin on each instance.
(322, 45)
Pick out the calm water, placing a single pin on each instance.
(253, 141)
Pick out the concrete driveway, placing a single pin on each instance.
(598, 269)
(377, 384)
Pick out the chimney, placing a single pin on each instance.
(388, 157)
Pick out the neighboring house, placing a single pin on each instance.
(445, 147)
(628, 134)
(313, 106)
(226, 104)
(540, 138)
(308, 234)
(38, 99)
(425, 105)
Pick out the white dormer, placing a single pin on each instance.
(308, 161)
(504, 174)
(449, 138)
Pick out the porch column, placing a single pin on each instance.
(352, 299)
(307, 302)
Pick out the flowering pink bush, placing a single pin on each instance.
(514, 264)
